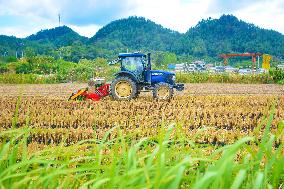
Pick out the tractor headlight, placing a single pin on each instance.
(174, 78)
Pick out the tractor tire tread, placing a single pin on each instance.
(157, 86)
(133, 85)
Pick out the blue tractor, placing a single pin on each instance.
(136, 75)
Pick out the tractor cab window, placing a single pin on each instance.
(134, 64)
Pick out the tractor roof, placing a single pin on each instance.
(124, 55)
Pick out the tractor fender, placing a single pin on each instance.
(126, 74)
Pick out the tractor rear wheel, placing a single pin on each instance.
(123, 88)
(163, 91)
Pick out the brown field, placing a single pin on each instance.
(207, 113)
(64, 90)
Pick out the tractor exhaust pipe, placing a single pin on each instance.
(149, 61)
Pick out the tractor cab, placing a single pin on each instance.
(134, 64)
(136, 75)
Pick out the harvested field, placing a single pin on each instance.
(231, 112)
(64, 90)
(208, 128)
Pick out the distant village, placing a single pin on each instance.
(200, 66)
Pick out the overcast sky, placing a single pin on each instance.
(24, 17)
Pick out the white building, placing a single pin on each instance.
(280, 66)
(195, 66)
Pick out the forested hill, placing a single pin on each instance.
(59, 36)
(228, 34)
(209, 37)
(138, 33)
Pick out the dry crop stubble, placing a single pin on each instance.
(203, 118)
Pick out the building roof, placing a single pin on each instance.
(124, 55)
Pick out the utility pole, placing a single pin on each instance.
(60, 54)
(258, 62)
(59, 19)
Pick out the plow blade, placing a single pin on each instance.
(84, 94)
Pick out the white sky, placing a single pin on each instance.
(25, 17)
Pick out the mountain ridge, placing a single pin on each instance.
(209, 37)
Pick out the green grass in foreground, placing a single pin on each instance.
(172, 161)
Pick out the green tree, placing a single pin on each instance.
(29, 52)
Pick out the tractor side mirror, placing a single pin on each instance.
(113, 62)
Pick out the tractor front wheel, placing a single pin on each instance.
(163, 91)
(123, 88)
